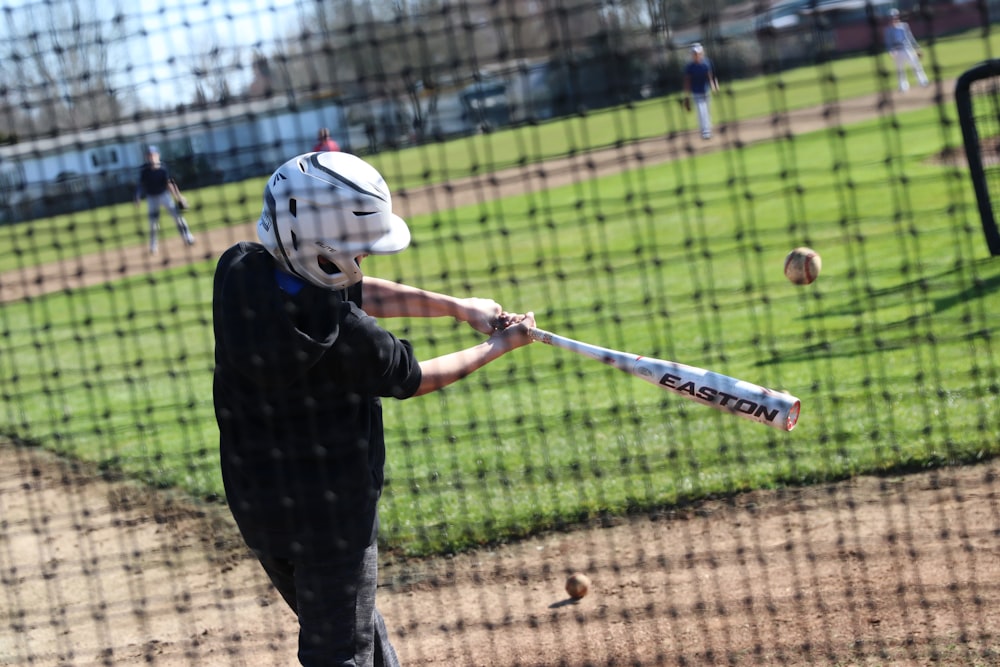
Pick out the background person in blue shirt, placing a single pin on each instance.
(905, 50)
(699, 83)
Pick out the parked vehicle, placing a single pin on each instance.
(485, 105)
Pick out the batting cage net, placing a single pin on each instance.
(184, 344)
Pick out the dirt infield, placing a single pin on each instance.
(900, 571)
(874, 571)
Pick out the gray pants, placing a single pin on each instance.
(334, 599)
(907, 57)
(164, 200)
(704, 116)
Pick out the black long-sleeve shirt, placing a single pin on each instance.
(298, 381)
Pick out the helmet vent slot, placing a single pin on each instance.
(295, 241)
(328, 266)
(293, 207)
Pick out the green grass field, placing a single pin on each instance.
(237, 203)
(890, 351)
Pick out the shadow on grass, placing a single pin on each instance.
(901, 333)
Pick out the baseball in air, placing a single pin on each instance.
(577, 585)
(802, 265)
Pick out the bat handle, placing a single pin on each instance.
(539, 335)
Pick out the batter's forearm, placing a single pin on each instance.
(442, 371)
(385, 298)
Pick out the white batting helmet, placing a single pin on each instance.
(332, 206)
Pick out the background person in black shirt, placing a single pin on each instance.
(160, 190)
(301, 366)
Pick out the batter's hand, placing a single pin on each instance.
(514, 330)
(483, 315)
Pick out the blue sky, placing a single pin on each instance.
(186, 31)
(170, 37)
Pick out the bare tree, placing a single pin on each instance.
(62, 53)
(668, 15)
(400, 49)
(214, 74)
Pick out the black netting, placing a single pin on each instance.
(542, 156)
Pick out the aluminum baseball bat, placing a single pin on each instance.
(737, 397)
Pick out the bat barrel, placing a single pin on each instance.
(743, 399)
(776, 409)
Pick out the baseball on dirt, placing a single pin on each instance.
(802, 265)
(577, 585)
